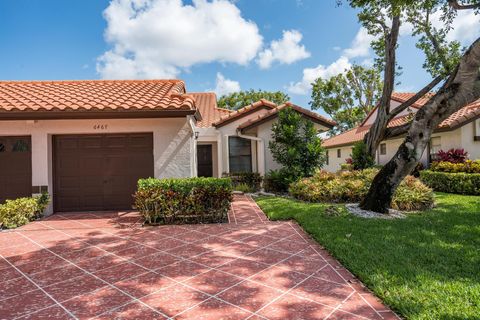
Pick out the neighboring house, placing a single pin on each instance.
(460, 130)
(88, 142)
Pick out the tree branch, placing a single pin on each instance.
(396, 131)
(457, 6)
(395, 112)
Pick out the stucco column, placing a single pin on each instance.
(42, 165)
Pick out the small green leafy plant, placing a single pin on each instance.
(18, 212)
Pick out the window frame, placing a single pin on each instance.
(383, 149)
(247, 155)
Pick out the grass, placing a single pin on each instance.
(426, 266)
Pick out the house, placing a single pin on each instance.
(87, 143)
(460, 130)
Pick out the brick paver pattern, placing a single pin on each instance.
(106, 265)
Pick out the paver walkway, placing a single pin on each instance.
(107, 266)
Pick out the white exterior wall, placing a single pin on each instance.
(173, 144)
(448, 140)
(333, 161)
(230, 129)
(468, 133)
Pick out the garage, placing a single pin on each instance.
(15, 167)
(99, 171)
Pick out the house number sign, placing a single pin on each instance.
(100, 127)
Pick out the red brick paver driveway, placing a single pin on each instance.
(106, 266)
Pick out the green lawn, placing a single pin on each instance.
(426, 266)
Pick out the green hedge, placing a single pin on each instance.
(245, 181)
(460, 182)
(18, 212)
(185, 200)
(469, 166)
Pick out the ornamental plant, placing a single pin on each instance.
(453, 155)
(352, 186)
(296, 145)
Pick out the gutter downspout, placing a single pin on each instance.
(193, 170)
(260, 153)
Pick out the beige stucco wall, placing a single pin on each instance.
(173, 143)
(468, 132)
(448, 140)
(333, 161)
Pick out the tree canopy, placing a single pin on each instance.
(347, 97)
(238, 100)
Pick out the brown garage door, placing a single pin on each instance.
(100, 172)
(15, 168)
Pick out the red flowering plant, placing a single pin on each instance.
(453, 156)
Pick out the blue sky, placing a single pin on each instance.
(210, 47)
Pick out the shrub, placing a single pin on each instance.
(243, 187)
(352, 186)
(252, 180)
(278, 181)
(18, 212)
(184, 200)
(453, 155)
(360, 157)
(469, 166)
(452, 182)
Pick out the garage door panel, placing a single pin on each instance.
(90, 142)
(100, 178)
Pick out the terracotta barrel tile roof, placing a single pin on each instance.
(96, 95)
(455, 120)
(263, 103)
(273, 112)
(206, 103)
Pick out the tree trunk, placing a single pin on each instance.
(376, 133)
(461, 88)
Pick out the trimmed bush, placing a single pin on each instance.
(18, 212)
(452, 182)
(187, 200)
(278, 181)
(253, 181)
(469, 166)
(352, 186)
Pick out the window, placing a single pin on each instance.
(240, 154)
(435, 146)
(339, 153)
(2, 147)
(20, 146)
(383, 148)
(328, 156)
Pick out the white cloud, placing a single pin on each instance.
(284, 51)
(360, 46)
(464, 28)
(321, 71)
(225, 86)
(160, 38)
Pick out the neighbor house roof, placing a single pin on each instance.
(102, 96)
(261, 104)
(455, 120)
(206, 103)
(271, 114)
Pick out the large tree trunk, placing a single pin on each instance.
(461, 88)
(376, 133)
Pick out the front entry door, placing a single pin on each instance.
(205, 161)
